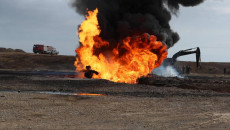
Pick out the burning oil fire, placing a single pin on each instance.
(131, 59)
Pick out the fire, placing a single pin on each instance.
(131, 59)
(88, 94)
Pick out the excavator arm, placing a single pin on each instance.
(187, 52)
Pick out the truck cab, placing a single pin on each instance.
(38, 48)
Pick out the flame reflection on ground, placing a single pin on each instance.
(88, 94)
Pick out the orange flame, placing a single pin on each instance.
(88, 94)
(142, 53)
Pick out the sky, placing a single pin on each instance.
(24, 23)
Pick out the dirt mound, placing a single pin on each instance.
(17, 60)
(10, 50)
(205, 68)
(218, 84)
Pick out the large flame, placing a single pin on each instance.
(133, 57)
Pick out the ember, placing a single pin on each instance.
(133, 57)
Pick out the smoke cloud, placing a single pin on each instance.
(122, 18)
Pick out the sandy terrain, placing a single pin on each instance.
(42, 111)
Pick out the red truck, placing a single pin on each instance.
(41, 49)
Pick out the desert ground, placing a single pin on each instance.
(44, 92)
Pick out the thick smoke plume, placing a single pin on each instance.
(122, 18)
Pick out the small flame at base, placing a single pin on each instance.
(132, 58)
(88, 94)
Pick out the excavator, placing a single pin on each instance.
(171, 61)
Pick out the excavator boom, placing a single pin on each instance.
(186, 52)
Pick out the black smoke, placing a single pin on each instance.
(122, 18)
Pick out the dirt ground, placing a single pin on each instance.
(41, 102)
(43, 92)
(42, 111)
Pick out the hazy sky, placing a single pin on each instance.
(54, 22)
